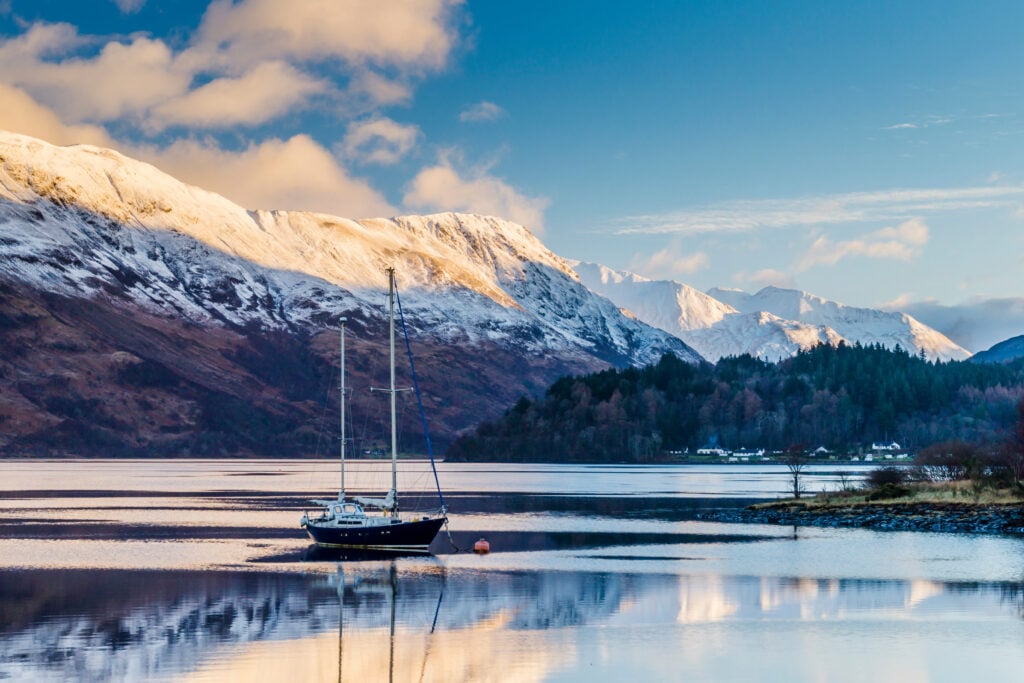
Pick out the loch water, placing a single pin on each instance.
(169, 570)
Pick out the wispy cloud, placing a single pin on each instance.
(852, 207)
(932, 120)
(129, 6)
(901, 243)
(481, 112)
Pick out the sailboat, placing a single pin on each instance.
(344, 523)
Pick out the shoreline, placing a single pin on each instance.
(940, 517)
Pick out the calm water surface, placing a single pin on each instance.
(183, 570)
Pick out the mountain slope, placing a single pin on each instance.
(1003, 352)
(177, 292)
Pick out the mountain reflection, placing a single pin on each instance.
(401, 619)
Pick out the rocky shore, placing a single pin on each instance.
(910, 516)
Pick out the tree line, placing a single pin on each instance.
(841, 397)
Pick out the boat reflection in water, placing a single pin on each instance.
(418, 620)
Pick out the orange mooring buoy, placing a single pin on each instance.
(482, 547)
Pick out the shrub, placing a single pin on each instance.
(950, 461)
(887, 491)
(889, 474)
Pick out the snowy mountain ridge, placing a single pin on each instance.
(772, 324)
(206, 258)
(864, 325)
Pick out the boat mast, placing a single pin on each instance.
(341, 491)
(394, 391)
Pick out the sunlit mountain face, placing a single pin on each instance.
(152, 316)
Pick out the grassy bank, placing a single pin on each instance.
(950, 507)
(938, 493)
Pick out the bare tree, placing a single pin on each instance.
(795, 460)
(1012, 453)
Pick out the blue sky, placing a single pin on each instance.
(868, 152)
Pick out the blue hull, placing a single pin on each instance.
(404, 536)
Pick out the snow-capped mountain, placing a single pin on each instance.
(864, 325)
(772, 324)
(667, 305)
(189, 287)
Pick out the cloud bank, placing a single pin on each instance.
(976, 325)
(201, 109)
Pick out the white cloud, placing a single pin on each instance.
(481, 112)
(443, 188)
(263, 93)
(745, 216)
(379, 140)
(248, 62)
(900, 126)
(22, 114)
(898, 303)
(902, 243)
(378, 90)
(409, 34)
(669, 263)
(122, 80)
(293, 174)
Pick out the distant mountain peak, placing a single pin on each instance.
(774, 322)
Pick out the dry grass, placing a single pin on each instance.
(956, 492)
